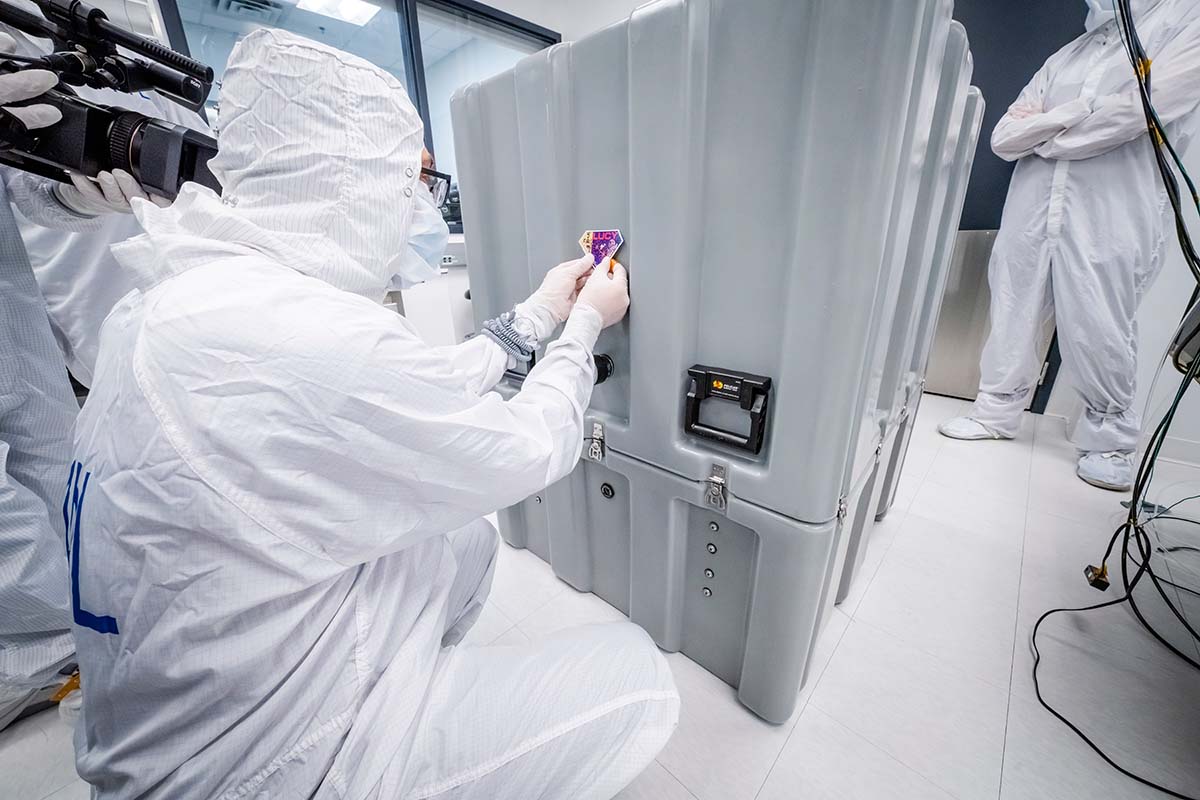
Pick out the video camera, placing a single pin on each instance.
(92, 138)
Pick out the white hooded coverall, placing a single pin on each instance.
(275, 511)
(37, 411)
(1083, 233)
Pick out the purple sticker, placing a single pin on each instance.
(605, 245)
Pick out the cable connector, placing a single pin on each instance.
(1097, 577)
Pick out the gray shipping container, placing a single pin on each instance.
(752, 153)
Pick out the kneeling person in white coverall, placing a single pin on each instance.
(1084, 232)
(275, 512)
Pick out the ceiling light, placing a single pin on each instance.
(356, 12)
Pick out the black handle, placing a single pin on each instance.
(750, 392)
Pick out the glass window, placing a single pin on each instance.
(367, 28)
(458, 48)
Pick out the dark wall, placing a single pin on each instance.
(1010, 40)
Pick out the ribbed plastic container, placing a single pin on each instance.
(934, 165)
(912, 381)
(752, 154)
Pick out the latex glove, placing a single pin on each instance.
(26, 85)
(551, 304)
(607, 295)
(111, 193)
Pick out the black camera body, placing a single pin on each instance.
(92, 137)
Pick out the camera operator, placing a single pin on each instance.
(75, 271)
(68, 229)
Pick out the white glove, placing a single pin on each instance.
(607, 295)
(551, 304)
(26, 85)
(114, 195)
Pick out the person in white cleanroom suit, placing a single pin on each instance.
(1084, 229)
(37, 408)
(277, 499)
(37, 412)
(75, 270)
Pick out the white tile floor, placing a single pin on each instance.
(921, 687)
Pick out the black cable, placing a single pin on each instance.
(1037, 660)
(1133, 529)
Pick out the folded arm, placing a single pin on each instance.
(1119, 118)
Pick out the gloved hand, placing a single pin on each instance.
(552, 302)
(26, 85)
(116, 190)
(607, 295)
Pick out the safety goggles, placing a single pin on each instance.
(438, 183)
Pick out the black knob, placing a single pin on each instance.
(604, 367)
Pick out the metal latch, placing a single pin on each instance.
(842, 509)
(715, 496)
(595, 451)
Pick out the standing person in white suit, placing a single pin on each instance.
(1084, 229)
(277, 555)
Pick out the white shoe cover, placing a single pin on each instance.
(967, 429)
(1107, 470)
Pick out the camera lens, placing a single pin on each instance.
(123, 142)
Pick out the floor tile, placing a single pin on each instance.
(72, 791)
(883, 536)
(36, 757)
(917, 462)
(514, 636)
(939, 721)
(1043, 760)
(824, 760)
(720, 751)
(961, 555)
(827, 643)
(948, 605)
(655, 784)
(523, 583)
(492, 623)
(1001, 519)
(568, 610)
(996, 468)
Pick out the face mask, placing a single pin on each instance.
(427, 239)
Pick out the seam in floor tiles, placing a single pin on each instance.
(1012, 667)
(881, 747)
(678, 780)
(800, 711)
